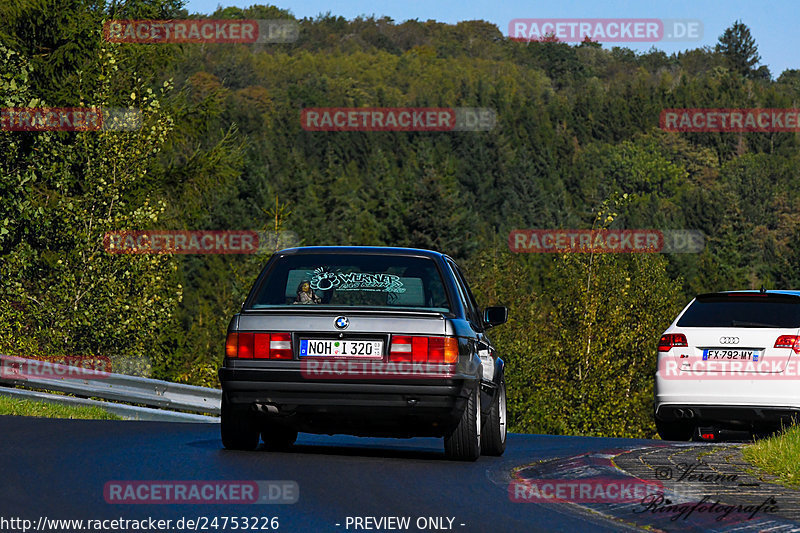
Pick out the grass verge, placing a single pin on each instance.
(23, 407)
(778, 455)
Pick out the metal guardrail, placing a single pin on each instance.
(129, 412)
(86, 383)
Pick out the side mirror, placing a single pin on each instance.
(494, 316)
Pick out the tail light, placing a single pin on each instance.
(672, 340)
(280, 345)
(232, 345)
(789, 341)
(259, 345)
(415, 349)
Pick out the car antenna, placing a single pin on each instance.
(763, 289)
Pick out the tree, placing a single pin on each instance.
(61, 293)
(740, 50)
(595, 346)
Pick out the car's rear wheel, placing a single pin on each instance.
(237, 428)
(278, 437)
(674, 430)
(493, 435)
(464, 444)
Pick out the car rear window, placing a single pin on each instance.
(754, 311)
(357, 280)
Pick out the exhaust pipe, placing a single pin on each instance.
(267, 408)
(689, 413)
(679, 413)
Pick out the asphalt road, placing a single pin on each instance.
(57, 469)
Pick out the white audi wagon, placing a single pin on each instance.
(729, 363)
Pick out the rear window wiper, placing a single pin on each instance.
(746, 324)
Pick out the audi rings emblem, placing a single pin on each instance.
(729, 340)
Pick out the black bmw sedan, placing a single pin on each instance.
(365, 341)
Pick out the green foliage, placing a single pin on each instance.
(23, 407)
(778, 455)
(577, 126)
(594, 358)
(739, 49)
(580, 355)
(62, 293)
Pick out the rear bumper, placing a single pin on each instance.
(736, 401)
(726, 414)
(393, 408)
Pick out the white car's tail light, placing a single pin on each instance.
(672, 340)
(788, 341)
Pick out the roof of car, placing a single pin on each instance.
(755, 291)
(377, 250)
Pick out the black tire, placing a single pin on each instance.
(237, 428)
(493, 435)
(464, 443)
(680, 431)
(278, 437)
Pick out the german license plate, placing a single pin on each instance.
(340, 348)
(711, 354)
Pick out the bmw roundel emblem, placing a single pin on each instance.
(341, 322)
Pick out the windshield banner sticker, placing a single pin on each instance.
(325, 280)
